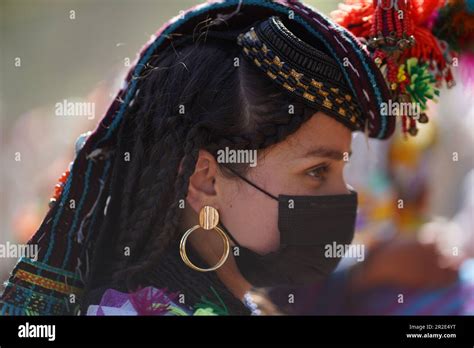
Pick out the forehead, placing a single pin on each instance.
(319, 131)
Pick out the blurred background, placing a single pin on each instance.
(79, 51)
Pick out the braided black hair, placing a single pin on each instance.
(194, 95)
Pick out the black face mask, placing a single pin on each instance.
(309, 226)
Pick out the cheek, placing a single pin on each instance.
(252, 219)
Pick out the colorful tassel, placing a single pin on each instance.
(151, 301)
(400, 34)
(422, 84)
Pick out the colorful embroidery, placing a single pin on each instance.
(46, 283)
(36, 288)
(152, 301)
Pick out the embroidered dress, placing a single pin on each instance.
(153, 301)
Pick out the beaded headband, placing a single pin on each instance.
(302, 70)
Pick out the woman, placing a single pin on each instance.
(232, 130)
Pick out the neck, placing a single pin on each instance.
(209, 248)
(210, 251)
(230, 276)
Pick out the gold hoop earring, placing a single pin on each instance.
(208, 220)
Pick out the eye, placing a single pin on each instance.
(319, 172)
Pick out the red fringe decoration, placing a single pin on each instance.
(359, 17)
(397, 30)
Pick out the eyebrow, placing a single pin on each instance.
(326, 152)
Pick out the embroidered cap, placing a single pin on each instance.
(304, 70)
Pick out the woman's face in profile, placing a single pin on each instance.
(309, 162)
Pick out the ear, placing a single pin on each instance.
(201, 189)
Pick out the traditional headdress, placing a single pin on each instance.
(415, 43)
(315, 60)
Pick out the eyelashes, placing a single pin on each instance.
(319, 172)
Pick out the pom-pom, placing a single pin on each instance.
(422, 86)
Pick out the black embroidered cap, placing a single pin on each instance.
(302, 70)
